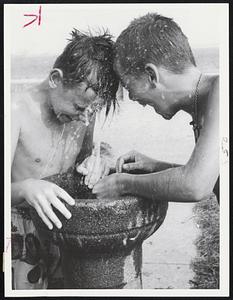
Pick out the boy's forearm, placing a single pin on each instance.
(163, 165)
(169, 185)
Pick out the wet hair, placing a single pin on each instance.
(153, 39)
(86, 53)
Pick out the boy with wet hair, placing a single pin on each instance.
(52, 130)
(153, 38)
(155, 64)
(84, 54)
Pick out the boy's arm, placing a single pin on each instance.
(188, 183)
(15, 132)
(197, 178)
(134, 162)
(40, 194)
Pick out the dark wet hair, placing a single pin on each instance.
(85, 53)
(153, 39)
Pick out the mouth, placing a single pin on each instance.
(64, 118)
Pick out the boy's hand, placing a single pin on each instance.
(93, 169)
(134, 161)
(42, 195)
(112, 187)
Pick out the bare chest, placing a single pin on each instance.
(44, 151)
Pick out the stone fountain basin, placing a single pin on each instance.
(101, 224)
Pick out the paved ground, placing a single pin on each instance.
(168, 252)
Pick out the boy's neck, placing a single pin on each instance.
(199, 87)
(185, 86)
(43, 91)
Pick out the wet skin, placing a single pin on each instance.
(167, 181)
(48, 132)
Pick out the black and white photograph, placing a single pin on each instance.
(116, 149)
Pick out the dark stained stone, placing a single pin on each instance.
(101, 243)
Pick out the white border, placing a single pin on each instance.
(224, 179)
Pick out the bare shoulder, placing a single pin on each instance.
(21, 105)
(211, 109)
(212, 104)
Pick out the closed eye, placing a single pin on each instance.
(94, 87)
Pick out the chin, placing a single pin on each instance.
(167, 117)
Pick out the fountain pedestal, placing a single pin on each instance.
(101, 245)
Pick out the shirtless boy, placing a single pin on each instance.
(155, 64)
(52, 127)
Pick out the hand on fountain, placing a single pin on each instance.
(42, 195)
(135, 162)
(112, 187)
(93, 170)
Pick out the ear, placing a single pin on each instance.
(55, 77)
(153, 73)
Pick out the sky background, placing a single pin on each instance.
(199, 22)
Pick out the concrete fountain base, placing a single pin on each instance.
(101, 245)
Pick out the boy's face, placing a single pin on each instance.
(78, 102)
(141, 90)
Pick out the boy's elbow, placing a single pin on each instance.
(195, 188)
(197, 192)
(198, 195)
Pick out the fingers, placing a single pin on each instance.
(51, 215)
(94, 171)
(64, 195)
(128, 157)
(95, 176)
(60, 206)
(132, 166)
(43, 217)
(100, 173)
(106, 172)
(90, 166)
(107, 187)
(81, 169)
(48, 211)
